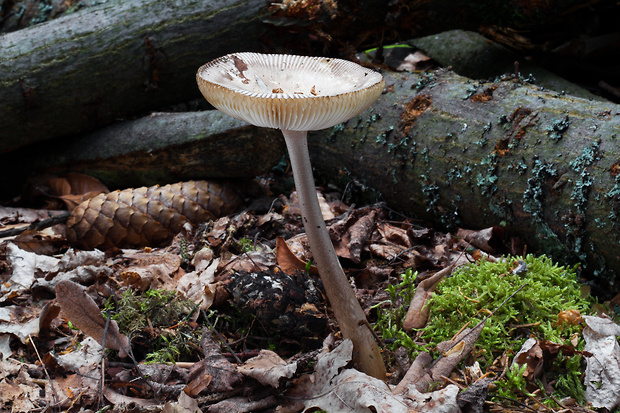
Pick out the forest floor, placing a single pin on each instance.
(231, 316)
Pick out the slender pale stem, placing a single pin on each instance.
(347, 310)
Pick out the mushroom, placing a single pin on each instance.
(297, 94)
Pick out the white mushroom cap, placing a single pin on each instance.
(296, 93)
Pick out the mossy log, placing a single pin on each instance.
(119, 59)
(462, 153)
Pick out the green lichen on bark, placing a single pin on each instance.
(556, 195)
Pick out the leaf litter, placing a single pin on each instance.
(252, 298)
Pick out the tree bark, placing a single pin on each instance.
(458, 153)
(163, 148)
(122, 58)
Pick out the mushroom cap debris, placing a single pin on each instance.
(297, 93)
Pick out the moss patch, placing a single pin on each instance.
(473, 292)
(476, 290)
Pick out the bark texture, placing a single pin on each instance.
(163, 148)
(463, 153)
(87, 69)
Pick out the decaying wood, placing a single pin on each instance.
(87, 69)
(462, 153)
(165, 147)
(147, 216)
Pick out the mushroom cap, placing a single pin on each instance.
(297, 93)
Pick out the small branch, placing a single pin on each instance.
(37, 226)
(49, 379)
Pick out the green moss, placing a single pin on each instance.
(514, 384)
(160, 308)
(476, 289)
(155, 311)
(473, 292)
(390, 314)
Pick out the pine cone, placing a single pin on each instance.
(147, 216)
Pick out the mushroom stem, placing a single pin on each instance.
(347, 310)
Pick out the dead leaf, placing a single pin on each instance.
(415, 61)
(350, 236)
(185, 404)
(465, 342)
(334, 389)
(569, 317)
(215, 370)
(473, 398)
(420, 376)
(18, 398)
(199, 286)
(153, 270)
(288, 261)
(418, 311)
(488, 239)
(74, 188)
(13, 320)
(20, 216)
(602, 379)
(530, 354)
(48, 313)
(84, 313)
(198, 384)
(120, 399)
(26, 266)
(294, 208)
(417, 376)
(242, 405)
(9, 367)
(249, 261)
(268, 368)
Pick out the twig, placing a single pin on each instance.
(49, 379)
(103, 340)
(222, 339)
(516, 402)
(36, 226)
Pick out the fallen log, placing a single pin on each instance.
(162, 148)
(122, 58)
(457, 152)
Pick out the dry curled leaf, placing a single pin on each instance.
(268, 368)
(288, 261)
(147, 216)
(74, 188)
(214, 373)
(418, 312)
(488, 239)
(82, 311)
